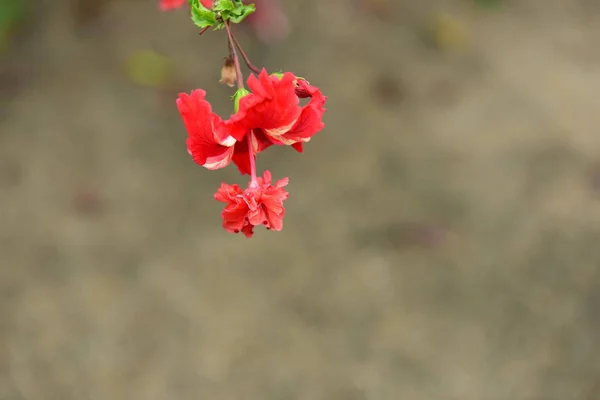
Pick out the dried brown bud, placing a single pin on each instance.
(228, 75)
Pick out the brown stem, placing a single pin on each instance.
(230, 46)
(236, 61)
(244, 55)
(240, 85)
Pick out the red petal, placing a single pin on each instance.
(275, 220)
(262, 141)
(273, 204)
(308, 90)
(310, 121)
(272, 199)
(306, 127)
(258, 87)
(267, 178)
(200, 123)
(167, 5)
(227, 193)
(241, 157)
(242, 162)
(234, 216)
(298, 147)
(233, 226)
(248, 230)
(272, 105)
(282, 183)
(257, 217)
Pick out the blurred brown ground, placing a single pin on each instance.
(442, 235)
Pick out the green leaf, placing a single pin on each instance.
(223, 10)
(241, 12)
(202, 16)
(224, 5)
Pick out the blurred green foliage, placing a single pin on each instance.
(148, 68)
(12, 12)
(447, 32)
(489, 4)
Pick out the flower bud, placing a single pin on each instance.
(228, 75)
(237, 96)
(301, 90)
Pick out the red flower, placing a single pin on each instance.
(167, 5)
(207, 142)
(241, 155)
(259, 204)
(273, 112)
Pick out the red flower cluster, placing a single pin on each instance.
(269, 114)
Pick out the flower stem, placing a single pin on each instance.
(251, 154)
(240, 85)
(244, 55)
(236, 60)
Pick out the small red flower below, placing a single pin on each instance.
(260, 204)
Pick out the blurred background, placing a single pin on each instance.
(442, 233)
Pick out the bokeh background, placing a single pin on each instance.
(442, 233)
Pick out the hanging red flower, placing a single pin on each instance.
(260, 204)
